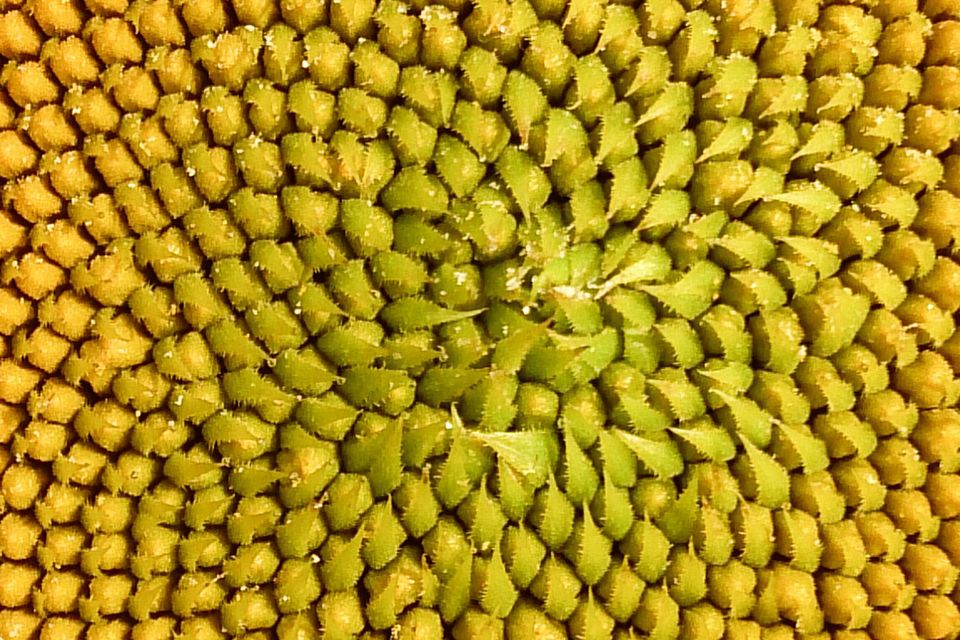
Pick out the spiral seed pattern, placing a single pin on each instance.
(593, 319)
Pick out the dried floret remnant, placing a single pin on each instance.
(505, 318)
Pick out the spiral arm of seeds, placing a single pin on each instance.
(479, 319)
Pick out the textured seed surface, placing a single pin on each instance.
(419, 319)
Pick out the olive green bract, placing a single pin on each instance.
(479, 319)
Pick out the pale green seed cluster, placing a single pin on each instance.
(593, 319)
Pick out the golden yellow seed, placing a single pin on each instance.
(660, 20)
(939, 218)
(204, 16)
(16, 583)
(13, 234)
(61, 504)
(719, 184)
(15, 310)
(259, 13)
(853, 19)
(943, 47)
(110, 593)
(840, 53)
(17, 155)
(941, 87)
(92, 110)
(887, 586)
(927, 381)
(951, 351)
(43, 348)
(844, 601)
(801, 12)
(11, 417)
(183, 122)
(910, 510)
(176, 73)
(114, 162)
(949, 540)
(936, 617)
(160, 628)
(931, 129)
(21, 485)
(832, 98)
(843, 548)
(795, 595)
(50, 129)
(18, 624)
(62, 242)
(159, 25)
(8, 111)
(890, 10)
(929, 568)
(786, 52)
(17, 380)
(951, 169)
(937, 438)
(62, 546)
(891, 86)
(942, 284)
(881, 538)
(30, 84)
(903, 41)
(72, 61)
(19, 535)
(34, 274)
(742, 28)
(81, 465)
(912, 170)
(59, 592)
(132, 88)
(941, 9)
(107, 552)
(121, 343)
(892, 625)
(898, 463)
(149, 141)
(68, 314)
(108, 424)
(34, 198)
(62, 628)
(43, 441)
(58, 17)
(110, 277)
(114, 41)
(232, 60)
(100, 217)
(78, 369)
(304, 15)
(107, 7)
(202, 628)
(110, 629)
(735, 630)
(18, 37)
(353, 20)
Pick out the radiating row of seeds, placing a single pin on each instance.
(169, 269)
